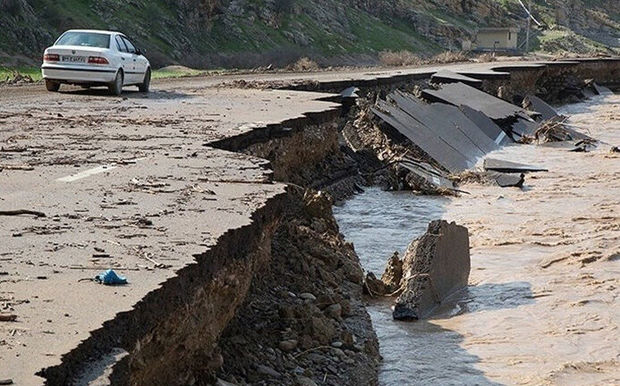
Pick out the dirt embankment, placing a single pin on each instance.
(304, 321)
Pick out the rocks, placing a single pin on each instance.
(221, 382)
(288, 345)
(390, 280)
(435, 266)
(266, 370)
(314, 332)
(304, 381)
(334, 311)
(318, 204)
(374, 286)
(307, 296)
(393, 273)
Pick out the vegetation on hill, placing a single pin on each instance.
(249, 33)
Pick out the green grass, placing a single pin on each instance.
(165, 73)
(173, 33)
(10, 72)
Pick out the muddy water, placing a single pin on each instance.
(542, 305)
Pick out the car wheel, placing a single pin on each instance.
(116, 87)
(50, 85)
(146, 84)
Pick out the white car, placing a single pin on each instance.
(95, 58)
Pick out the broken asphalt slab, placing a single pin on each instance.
(447, 76)
(423, 137)
(488, 127)
(534, 103)
(510, 167)
(459, 94)
(434, 266)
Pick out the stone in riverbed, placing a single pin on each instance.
(435, 266)
(374, 286)
(393, 273)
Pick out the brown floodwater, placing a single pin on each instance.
(542, 304)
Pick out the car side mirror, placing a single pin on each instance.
(140, 51)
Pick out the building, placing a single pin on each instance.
(497, 39)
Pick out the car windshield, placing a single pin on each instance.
(86, 39)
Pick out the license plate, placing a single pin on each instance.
(74, 59)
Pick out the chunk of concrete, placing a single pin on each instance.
(459, 94)
(446, 76)
(601, 90)
(506, 180)
(502, 166)
(533, 103)
(435, 266)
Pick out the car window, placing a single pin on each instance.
(130, 47)
(121, 45)
(86, 39)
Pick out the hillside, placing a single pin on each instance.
(247, 33)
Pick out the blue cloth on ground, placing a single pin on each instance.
(110, 277)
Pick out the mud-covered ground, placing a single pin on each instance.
(554, 248)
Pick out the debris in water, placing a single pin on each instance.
(584, 146)
(425, 178)
(601, 90)
(510, 167)
(510, 180)
(393, 274)
(555, 130)
(434, 266)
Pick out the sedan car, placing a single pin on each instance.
(95, 58)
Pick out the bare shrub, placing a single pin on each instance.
(486, 58)
(450, 57)
(399, 58)
(303, 65)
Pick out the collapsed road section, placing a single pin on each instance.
(181, 192)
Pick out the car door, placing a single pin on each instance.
(137, 72)
(126, 60)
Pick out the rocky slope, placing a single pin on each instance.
(244, 33)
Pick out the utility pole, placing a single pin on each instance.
(527, 32)
(530, 17)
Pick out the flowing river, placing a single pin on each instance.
(542, 304)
